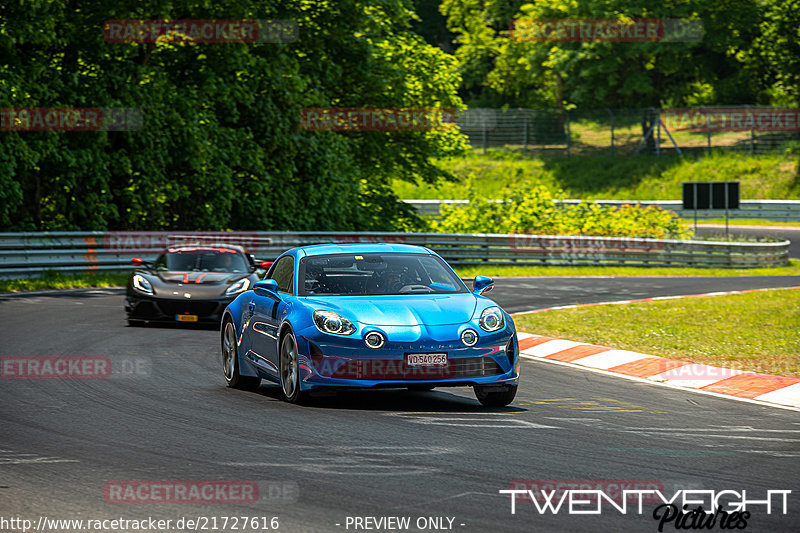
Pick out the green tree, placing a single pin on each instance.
(776, 51)
(221, 144)
(481, 28)
(527, 73)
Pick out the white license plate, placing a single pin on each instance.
(426, 359)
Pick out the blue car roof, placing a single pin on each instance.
(363, 248)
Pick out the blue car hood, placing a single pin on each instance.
(401, 310)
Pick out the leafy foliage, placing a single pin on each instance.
(527, 73)
(221, 145)
(776, 51)
(533, 209)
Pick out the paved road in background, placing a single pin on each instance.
(525, 294)
(381, 453)
(790, 234)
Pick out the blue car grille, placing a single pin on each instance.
(473, 367)
(376, 369)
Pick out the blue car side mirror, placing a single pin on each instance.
(482, 284)
(266, 287)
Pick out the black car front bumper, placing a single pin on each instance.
(153, 309)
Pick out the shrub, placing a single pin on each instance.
(534, 209)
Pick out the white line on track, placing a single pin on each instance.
(660, 383)
(641, 300)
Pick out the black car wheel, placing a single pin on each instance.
(495, 395)
(230, 361)
(290, 370)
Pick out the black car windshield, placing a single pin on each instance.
(202, 261)
(375, 274)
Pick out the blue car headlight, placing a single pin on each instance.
(492, 319)
(141, 284)
(239, 286)
(330, 322)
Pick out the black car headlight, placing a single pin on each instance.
(330, 322)
(141, 284)
(240, 286)
(492, 319)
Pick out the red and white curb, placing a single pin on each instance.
(780, 390)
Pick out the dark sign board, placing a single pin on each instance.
(711, 195)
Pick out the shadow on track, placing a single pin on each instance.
(439, 400)
(188, 326)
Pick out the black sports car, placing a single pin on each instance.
(190, 283)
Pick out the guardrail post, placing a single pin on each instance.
(611, 113)
(485, 133)
(658, 133)
(525, 135)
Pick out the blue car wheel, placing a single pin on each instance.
(290, 370)
(495, 395)
(230, 361)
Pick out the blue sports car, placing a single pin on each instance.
(369, 315)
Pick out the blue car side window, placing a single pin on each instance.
(283, 273)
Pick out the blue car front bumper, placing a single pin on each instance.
(341, 362)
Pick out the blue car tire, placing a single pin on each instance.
(290, 370)
(230, 361)
(495, 395)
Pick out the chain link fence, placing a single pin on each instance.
(748, 129)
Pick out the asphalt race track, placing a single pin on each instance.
(791, 234)
(164, 415)
(524, 294)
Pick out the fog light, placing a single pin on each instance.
(469, 337)
(374, 339)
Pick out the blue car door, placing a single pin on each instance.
(268, 313)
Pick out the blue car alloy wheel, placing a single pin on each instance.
(361, 316)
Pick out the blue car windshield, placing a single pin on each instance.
(377, 274)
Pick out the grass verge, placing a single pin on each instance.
(793, 269)
(757, 331)
(645, 177)
(56, 280)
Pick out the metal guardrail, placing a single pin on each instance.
(30, 254)
(779, 210)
